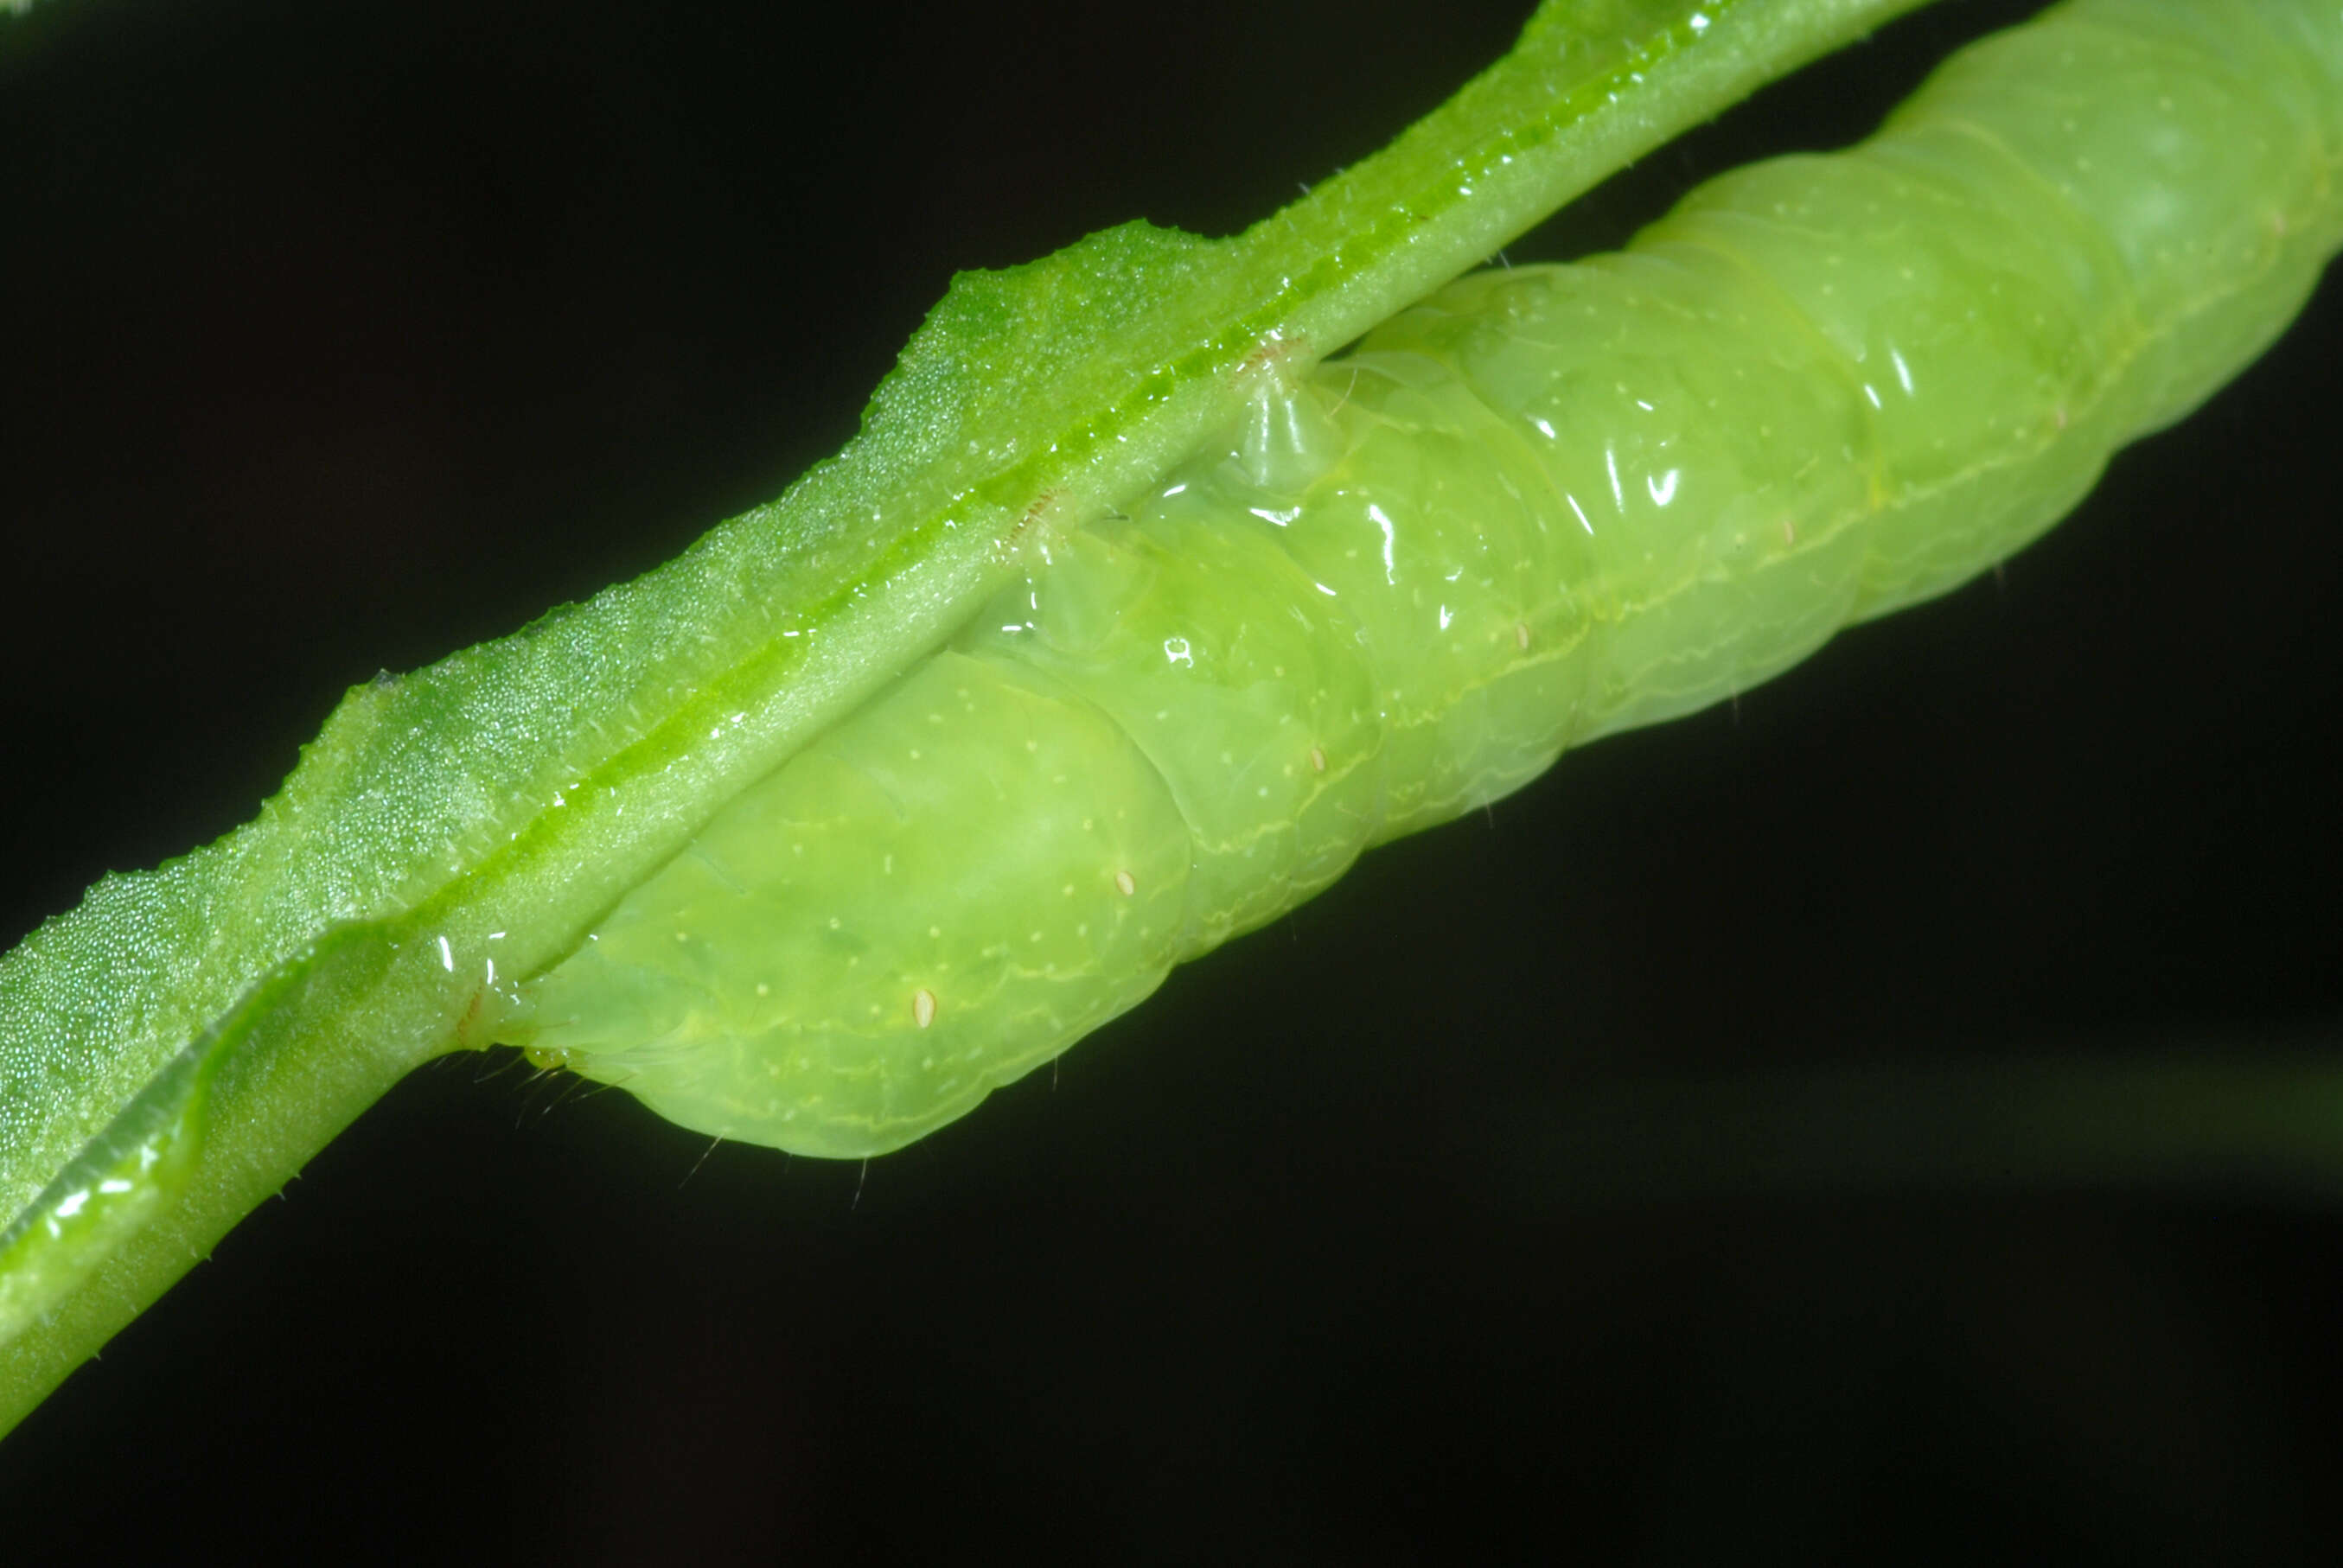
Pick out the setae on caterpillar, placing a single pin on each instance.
(1547, 504)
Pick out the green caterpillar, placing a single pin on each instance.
(1547, 504)
(113, 1013)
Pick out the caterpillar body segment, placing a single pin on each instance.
(1547, 504)
(831, 967)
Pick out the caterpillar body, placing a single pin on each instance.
(1547, 504)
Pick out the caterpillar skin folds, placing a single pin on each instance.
(1547, 504)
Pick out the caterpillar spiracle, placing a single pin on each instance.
(1547, 504)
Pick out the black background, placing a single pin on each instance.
(335, 337)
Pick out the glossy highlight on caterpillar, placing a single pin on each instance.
(1547, 504)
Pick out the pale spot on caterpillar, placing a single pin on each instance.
(923, 1006)
(1317, 765)
(1035, 511)
(473, 1015)
(1124, 884)
(1521, 641)
(545, 1059)
(1274, 353)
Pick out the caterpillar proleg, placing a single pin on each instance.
(1547, 504)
